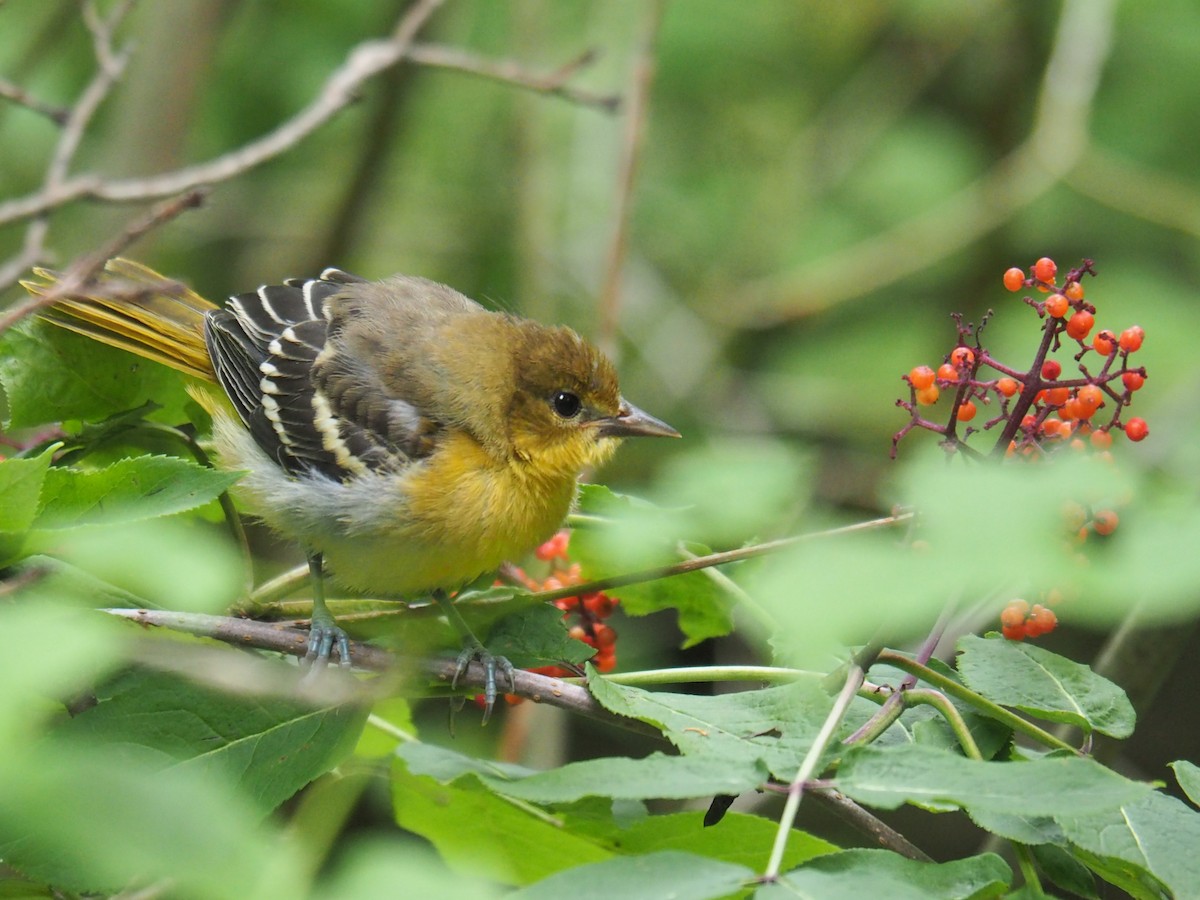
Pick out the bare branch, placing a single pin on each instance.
(20, 96)
(511, 72)
(341, 88)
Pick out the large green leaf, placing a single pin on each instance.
(129, 490)
(670, 873)
(268, 750)
(655, 777)
(21, 483)
(913, 773)
(1044, 685)
(854, 874)
(1188, 776)
(776, 724)
(51, 374)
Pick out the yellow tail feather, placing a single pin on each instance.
(138, 310)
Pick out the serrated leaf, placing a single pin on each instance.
(267, 750)
(679, 876)
(21, 483)
(536, 636)
(888, 777)
(776, 724)
(854, 874)
(739, 838)
(1155, 834)
(51, 374)
(656, 777)
(478, 832)
(1044, 684)
(1188, 776)
(129, 490)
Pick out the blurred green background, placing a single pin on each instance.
(818, 186)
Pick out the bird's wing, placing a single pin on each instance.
(267, 347)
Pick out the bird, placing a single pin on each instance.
(408, 438)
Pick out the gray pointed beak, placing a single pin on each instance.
(633, 422)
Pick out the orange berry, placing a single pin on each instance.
(1057, 306)
(1104, 343)
(1045, 269)
(1014, 632)
(1131, 338)
(966, 411)
(1133, 381)
(962, 357)
(600, 605)
(1071, 410)
(1014, 279)
(1014, 613)
(1007, 386)
(1137, 429)
(947, 372)
(605, 636)
(1080, 324)
(1041, 621)
(1105, 521)
(1074, 514)
(929, 396)
(1074, 291)
(920, 377)
(1051, 369)
(1054, 428)
(1102, 440)
(1057, 396)
(1090, 398)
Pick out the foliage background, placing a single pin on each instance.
(819, 185)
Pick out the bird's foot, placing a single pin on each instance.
(323, 635)
(491, 665)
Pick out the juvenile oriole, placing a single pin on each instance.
(405, 436)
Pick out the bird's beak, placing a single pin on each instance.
(633, 422)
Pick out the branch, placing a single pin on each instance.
(341, 88)
(284, 638)
(18, 95)
(511, 72)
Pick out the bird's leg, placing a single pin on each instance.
(473, 649)
(323, 630)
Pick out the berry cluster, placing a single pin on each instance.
(1018, 621)
(1038, 408)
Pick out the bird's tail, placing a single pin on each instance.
(136, 309)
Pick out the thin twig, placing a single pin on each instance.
(18, 95)
(868, 823)
(512, 72)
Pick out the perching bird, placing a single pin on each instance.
(409, 439)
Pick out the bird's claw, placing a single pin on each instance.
(491, 665)
(323, 635)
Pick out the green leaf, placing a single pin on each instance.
(888, 777)
(1068, 873)
(1044, 684)
(536, 636)
(854, 874)
(479, 833)
(267, 750)
(130, 490)
(1155, 834)
(776, 724)
(51, 374)
(21, 483)
(1188, 776)
(655, 777)
(680, 876)
(392, 867)
(738, 838)
(395, 712)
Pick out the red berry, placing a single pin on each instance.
(600, 605)
(1080, 324)
(605, 636)
(1051, 369)
(1045, 269)
(966, 411)
(1136, 429)
(1014, 613)
(947, 372)
(1105, 521)
(962, 357)
(1007, 386)
(1014, 279)
(1057, 306)
(1057, 396)
(1014, 632)
(1131, 338)
(1104, 343)
(920, 377)
(1090, 398)
(1102, 440)
(1133, 381)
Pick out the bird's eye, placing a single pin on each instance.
(566, 404)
